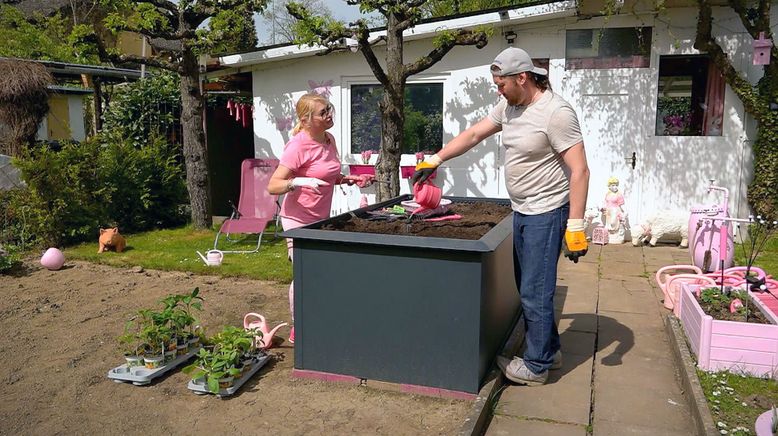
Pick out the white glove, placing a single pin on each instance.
(311, 183)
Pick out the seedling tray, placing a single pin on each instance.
(200, 388)
(140, 375)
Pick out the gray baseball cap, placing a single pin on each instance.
(514, 60)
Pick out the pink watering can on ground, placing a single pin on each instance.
(266, 340)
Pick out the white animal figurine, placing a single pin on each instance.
(591, 219)
(663, 224)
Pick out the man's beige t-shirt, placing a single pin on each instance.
(534, 136)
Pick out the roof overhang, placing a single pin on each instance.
(506, 17)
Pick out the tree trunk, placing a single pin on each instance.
(195, 153)
(97, 114)
(393, 116)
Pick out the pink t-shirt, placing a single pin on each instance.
(306, 157)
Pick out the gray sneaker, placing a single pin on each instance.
(557, 360)
(517, 372)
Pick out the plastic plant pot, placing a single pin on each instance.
(153, 362)
(133, 361)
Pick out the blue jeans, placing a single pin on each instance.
(537, 242)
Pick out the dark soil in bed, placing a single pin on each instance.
(478, 217)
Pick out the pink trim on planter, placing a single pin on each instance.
(729, 345)
(401, 387)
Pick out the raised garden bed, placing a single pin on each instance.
(427, 313)
(734, 346)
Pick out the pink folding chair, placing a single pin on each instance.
(256, 207)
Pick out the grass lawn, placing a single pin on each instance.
(736, 401)
(174, 250)
(767, 259)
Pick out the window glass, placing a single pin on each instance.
(690, 97)
(628, 47)
(423, 118)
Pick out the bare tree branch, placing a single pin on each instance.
(463, 37)
(152, 62)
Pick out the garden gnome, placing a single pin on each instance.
(614, 214)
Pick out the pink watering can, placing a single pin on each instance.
(266, 340)
(427, 195)
(212, 257)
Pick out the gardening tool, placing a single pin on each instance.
(266, 340)
(451, 217)
(212, 257)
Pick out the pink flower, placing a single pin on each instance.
(419, 156)
(366, 156)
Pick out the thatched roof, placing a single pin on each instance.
(22, 80)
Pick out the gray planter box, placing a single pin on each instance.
(422, 311)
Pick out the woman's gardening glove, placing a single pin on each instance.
(311, 183)
(362, 180)
(425, 168)
(575, 244)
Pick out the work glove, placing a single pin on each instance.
(362, 180)
(311, 183)
(425, 168)
(574, 244)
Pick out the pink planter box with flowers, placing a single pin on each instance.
(739, 347)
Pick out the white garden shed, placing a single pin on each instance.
(616, 72)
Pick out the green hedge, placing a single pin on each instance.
(74, 191)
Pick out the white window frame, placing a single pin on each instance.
(349, 81)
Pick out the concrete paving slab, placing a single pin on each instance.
(565, 398)
(638, 372)
(579, 322)
(510, 426)
(621, 300)
(576, 342)
(615, 324)
(647, 408)
(607, 428)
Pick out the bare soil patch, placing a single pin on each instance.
(477, 219)
(58, 343)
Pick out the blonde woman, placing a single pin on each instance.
(308, 171)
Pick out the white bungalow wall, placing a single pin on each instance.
(616, 108)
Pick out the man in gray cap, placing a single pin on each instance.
(547, 178)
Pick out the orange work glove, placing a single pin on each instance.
(574, 244)
(425, 168)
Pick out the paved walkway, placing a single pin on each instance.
(618, 375)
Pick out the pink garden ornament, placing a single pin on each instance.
(53, 259)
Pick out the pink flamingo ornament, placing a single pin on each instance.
(266, 340)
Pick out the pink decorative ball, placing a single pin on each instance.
(53, 259)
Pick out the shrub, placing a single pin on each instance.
(83, 186)
(146, 108)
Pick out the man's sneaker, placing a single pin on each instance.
(291, 336)
(557, 360)
(517, 372)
